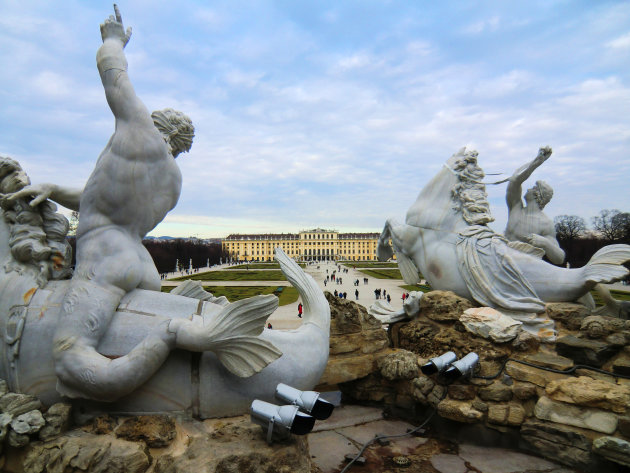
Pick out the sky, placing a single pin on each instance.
(331, 114)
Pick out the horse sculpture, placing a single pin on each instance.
(33, 282)
(446, 238)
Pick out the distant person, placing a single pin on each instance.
(300, 310)
(356, 294)
(269, 325)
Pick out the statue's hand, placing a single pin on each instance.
(543, 154)
(537, 240)
(113, 28)
(38, 194)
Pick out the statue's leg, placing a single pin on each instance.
(384, 250)
(86, 313)
(110, 264)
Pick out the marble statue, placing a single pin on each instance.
(447, 238)
(108, 334)
(386, 314)
(529, 225)
(527, 222)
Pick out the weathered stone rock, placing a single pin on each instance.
(401, 364)
(436, 395)
(569, 314)
(479, 405)
(506, 414)
(373, 388)
(348, 368)
(550, 361)
(156, 431)
(498, 414)
(367, 341)
(86, 452)
(459, 411)
(584, 391)
(28, 423)
(621, 365)
(530, 374)
(614, 449)
(524, 391)
(558, 442)
(236, 445)
(104, 424)
(623, 426)
(497, 391)
(489, 323)
(584, 351)
(422, 386)
(349, 317)
(461, 392)
(516, 414)
(16, 404)
(57, 419)
(443, 306)
(4, 387)
(616, 340)
(599, 326)
(5, 421)
(526, 341)
(17, 440)
(583, 417)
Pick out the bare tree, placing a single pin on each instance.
(612, 224)
(569, 227)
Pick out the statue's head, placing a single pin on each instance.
(37, 235)
(176, 128)
(12, 176)
(541, 193)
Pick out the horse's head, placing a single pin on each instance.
(456, 197)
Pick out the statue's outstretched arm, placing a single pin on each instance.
(112, 67)
(514, 190)
(38, 193)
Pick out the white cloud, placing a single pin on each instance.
(622, 42)
(489, 24)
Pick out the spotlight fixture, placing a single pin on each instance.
(307, 401)
(280, 420)
(463, 367)
(439, 363)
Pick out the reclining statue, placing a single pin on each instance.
(447, 238)
(134, 184)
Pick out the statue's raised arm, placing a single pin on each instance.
(514, 188)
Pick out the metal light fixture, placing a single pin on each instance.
(280, 420)
(439, 363)
(308, 401)
(463, 367)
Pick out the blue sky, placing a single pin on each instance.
(331, 113)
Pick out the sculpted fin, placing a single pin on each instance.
(606, 265)
(235, 332)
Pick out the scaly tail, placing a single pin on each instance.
(234, 335)
(316, 308)
(606, 265)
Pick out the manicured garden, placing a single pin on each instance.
(288, 294)
(382, 273)
(236, 275)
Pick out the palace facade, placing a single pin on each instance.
(308, 245)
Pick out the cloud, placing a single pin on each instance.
(622, 42)
(488, 24)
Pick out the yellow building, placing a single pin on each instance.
(308, 245)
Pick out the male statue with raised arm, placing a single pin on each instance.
(527, 222)
(134, 184)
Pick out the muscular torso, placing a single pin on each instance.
(134, 184)
(523, 222)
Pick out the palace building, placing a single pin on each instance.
(308, 245)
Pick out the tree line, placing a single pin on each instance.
(580, 243)
(167, 253)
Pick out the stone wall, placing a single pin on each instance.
(579, 419)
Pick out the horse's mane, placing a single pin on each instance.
(469, 194)
(37, 235)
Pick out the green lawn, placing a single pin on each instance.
(619, 295)
(370, 264)
(252, 275)
(288, 295)
(382, 273)
(261, 266)
(419, 287)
